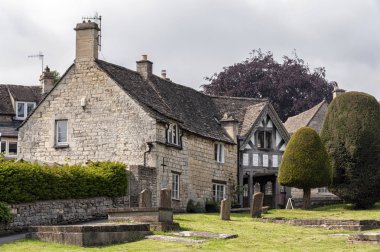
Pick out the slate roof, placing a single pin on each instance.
(303, 119)
(163, 99)
(19, 93)
(9, 129)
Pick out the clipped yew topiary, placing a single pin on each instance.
(305, 163)
(351, 134)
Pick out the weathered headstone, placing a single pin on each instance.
(225, 209)
(166, 198)
(145, 198)
(257, 204)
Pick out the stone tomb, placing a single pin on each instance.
(159, 218)
(90, 235)
(145, 198)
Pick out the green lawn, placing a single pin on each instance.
(253, 235)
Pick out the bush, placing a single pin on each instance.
(5, 214)
(305, 163)
(29, 182)
(193, 207)
(211, 206)
(352, 138)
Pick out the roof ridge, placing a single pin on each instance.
(239, 98)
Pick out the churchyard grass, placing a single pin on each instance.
(252, 235)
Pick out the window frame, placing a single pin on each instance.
(175, 186)
(6, 150)
(216, 189)
(172, 134)
(264, 139)
(219, 153)
(25, 109)
(57, 143)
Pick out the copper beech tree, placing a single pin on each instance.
(291, 86)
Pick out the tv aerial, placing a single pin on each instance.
(97, 19)
(40, 56)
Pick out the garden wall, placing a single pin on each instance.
(54, 212)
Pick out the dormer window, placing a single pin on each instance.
(172, 135)
(23, 109)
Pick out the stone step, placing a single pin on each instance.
(369, 238)
(172, 239)
(206, 235)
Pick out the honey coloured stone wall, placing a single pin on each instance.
(111, 126)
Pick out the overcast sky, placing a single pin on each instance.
(194, 39)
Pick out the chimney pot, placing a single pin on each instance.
(144, 57)
(163, 74)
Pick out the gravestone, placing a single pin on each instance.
(166, 198)
(225, 209)
(257, 204)
(145, 198)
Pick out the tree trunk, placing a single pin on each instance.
(306, 198)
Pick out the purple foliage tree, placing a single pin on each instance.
(290, 86)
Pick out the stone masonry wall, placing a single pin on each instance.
(195, 163)
(112, 126)
(142, 178)
(60, 212)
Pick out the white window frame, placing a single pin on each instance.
(219, 152)
(216, 189)
(25, 109)
(172, 134)
(57, 133)
(6, 151)
(175, 185)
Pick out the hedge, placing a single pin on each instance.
(28, 182)
(351, 135)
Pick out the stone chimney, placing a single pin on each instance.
(47, 80)
(145, 67)
(87, 41)
(230, 125)
(337, 91)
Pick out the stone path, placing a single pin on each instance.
(206, 235)
(172, 239)
(11, 238)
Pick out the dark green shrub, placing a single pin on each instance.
(211, 206)
(352, 138)
(28, 182)
(305, 163)
(5, 214)
(193, 207)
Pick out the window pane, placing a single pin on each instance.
(255, 159)
(3, 147)
(275, 161)
(260, 142)
(20, 110)
(174, 134)
(12, 148)
(265, 160)
(30, 108)
(245, 159)
(268, 140)
(216, 151)
(61, 131)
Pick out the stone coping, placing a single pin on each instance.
(354, 225)
(108, 227)
(138, 209)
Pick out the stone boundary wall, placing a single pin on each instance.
(53, 212)
(317, 201)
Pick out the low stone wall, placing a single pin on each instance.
(55, 212)
(317, 201)
(351, 225)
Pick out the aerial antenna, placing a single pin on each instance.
(97, 19)
(40, 56)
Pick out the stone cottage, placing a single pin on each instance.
(191, 141)
(16, 103)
